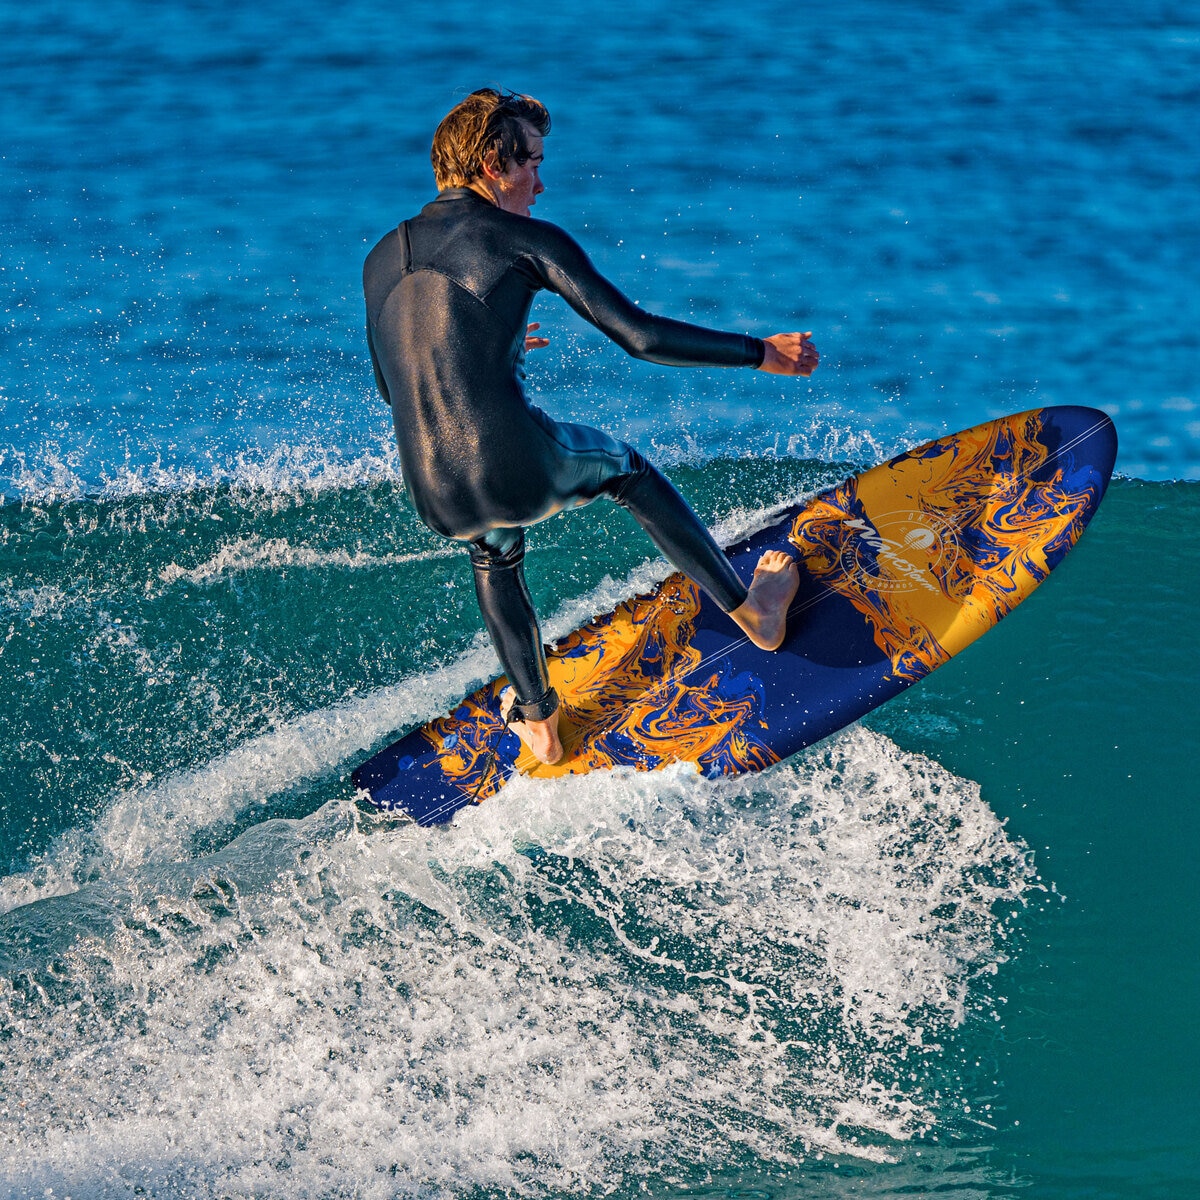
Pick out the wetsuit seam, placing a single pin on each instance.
(549, 272)
(574, 451)
(458, 283)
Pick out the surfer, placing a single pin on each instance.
(448, 295)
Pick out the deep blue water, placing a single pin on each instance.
(952, 951)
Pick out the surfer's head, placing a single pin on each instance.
(489, 126)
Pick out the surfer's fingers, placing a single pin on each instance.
(808, 357)
(534, 343)
(784, 354)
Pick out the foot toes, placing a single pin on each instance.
(775, 560)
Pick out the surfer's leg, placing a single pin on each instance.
(759, 611)
(657, 506)
(497, 560)
(591, 464)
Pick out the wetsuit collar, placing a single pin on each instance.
(462, 193)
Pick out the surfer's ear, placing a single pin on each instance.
(491, 165)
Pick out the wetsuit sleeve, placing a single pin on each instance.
(566, 270)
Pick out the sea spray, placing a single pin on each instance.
(576, 983)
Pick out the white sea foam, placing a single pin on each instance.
(819, 441)
(257, 553)
(50, 474)
(577, 984)
(35, 603)
(158, 822)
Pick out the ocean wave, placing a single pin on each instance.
(159, 820)
(50, 475)
(576, 984)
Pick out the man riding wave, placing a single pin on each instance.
(448, 296)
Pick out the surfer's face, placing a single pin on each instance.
(517, 188)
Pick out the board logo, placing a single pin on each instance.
(901, 551)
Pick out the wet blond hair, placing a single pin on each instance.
(486, 120)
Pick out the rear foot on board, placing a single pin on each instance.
(540, 738)
(762, 616)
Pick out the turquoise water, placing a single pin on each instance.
(951, 951)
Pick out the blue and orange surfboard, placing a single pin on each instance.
(901, 567)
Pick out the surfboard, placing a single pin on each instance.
(901, 567)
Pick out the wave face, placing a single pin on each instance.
(580, 984)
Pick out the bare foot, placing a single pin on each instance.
(762, 617)
(540, 738)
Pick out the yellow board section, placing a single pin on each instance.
(621, 681)
(935, 547)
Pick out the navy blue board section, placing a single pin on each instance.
(900, 568)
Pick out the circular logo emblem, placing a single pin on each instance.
(920, 538)
(901, 551)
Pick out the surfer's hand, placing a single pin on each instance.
(534, 343)
(790, 354)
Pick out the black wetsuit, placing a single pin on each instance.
(448, 297)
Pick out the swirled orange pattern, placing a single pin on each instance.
(625, 701)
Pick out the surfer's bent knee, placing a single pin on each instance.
(498, 549)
